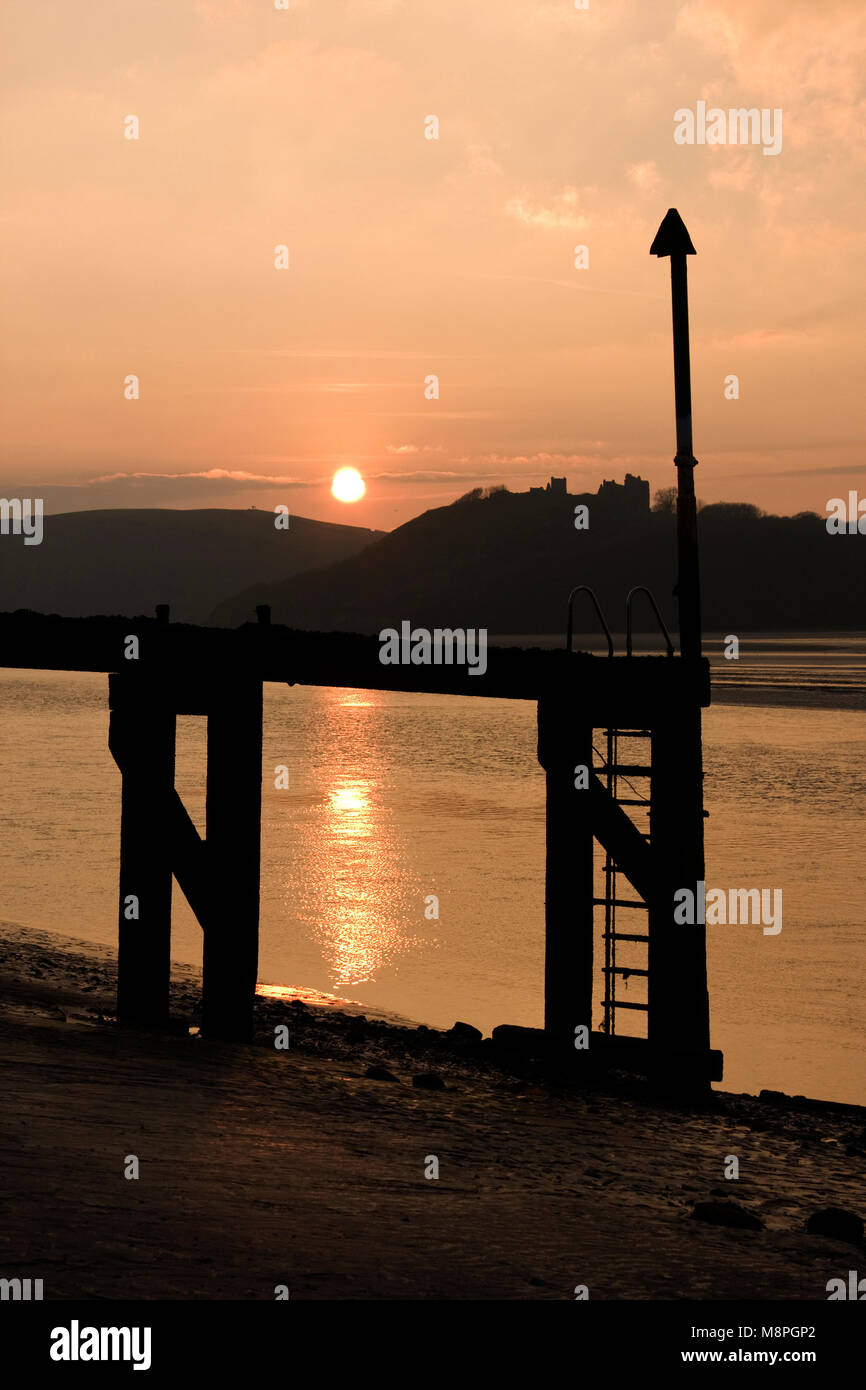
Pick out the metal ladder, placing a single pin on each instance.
(613, 771)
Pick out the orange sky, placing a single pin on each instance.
(411, 257)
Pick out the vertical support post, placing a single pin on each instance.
(234, 819)
(142, 740)
(679, 1007)
(568, 880)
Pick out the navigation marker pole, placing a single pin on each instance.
(672, 239)
(679, 1015)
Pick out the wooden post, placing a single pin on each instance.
(142, 739)
(234, 815)
(679, 1010)
(564, 746)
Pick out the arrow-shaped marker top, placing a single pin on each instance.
(672, 237)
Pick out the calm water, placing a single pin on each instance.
(394, 797)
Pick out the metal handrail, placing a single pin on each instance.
(641, 589)
(585, 589)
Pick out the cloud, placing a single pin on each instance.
(234, 475)
(783, 53)
(413, 449)
(304, 388)
(441, 475)
(434, 413)
(645, 177)
(562, 210)
(543, 460)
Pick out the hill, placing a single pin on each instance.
(507, 562)
(127, 561)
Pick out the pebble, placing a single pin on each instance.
(428, 1081)
(727, 1214)
(836, 1223)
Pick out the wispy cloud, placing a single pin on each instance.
(644, 176)
(413, 448)
(565, 209)
(235, 475)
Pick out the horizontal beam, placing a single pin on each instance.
(620, 1051)
(609, 691)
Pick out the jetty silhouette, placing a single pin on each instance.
(648, 709)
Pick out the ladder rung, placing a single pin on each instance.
(632, 801)
(618, 902)
(621, 1004)
(622, 970)
(629, 733)
(623, 936)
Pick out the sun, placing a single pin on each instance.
(348, 485)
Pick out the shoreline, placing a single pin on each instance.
(771, 696)
(260, 1167)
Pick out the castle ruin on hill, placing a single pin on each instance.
(632, 496)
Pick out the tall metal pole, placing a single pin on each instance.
(679, 1013)
(672, 239)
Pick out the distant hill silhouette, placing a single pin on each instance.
(507, 561)
(129, 560)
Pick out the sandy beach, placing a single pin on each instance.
(260, 1167)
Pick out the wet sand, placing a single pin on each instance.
(261, 1167)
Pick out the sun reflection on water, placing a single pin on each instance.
(350, 802)
(350, 871)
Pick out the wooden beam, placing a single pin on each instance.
(142, 741)
(679, 1010)
(617, 1051)
(623, 692)
(190, 863)
(234, 788)
(619, 835)
(563, 747)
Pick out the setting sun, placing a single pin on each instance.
(348, 485)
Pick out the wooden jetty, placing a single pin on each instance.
(158, 670)
(219, 673)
